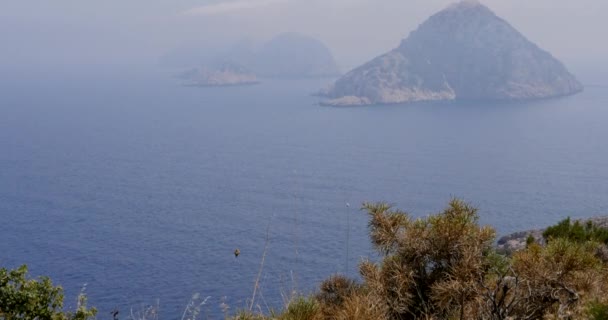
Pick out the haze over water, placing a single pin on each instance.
(142, 188)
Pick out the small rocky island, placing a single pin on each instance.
(464, 52)
(226, 74)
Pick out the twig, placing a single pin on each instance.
(257, 280)
(347, 238)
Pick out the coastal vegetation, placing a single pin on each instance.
(24, 298)
(444, 266)
(577, 231)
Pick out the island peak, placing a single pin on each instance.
(464, 4)
(464, 52)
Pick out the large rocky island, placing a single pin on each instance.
(464, 52)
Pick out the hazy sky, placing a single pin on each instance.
(103, 32)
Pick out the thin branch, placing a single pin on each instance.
(257, 280)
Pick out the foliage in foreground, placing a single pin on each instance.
(23, 298)
(443, 266)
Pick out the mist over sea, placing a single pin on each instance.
(141, 189)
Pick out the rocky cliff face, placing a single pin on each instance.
(464, 52)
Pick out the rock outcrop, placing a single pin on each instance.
(464, 52)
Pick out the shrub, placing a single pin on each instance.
(555, 279)
(23, 298)
(444, 267)
(301, 308)
(598, 311)
(333, 294)
(360, 305)
(577, 231)
(335, 290)
(530, 240)
(430, 266)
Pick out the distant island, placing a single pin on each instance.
(464, 52)
(226, 74)
(293, 55)
(288, 55)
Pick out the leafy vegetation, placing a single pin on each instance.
(598, 311)
(577, 231)
(23, 298)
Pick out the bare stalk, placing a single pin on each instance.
(257, 280)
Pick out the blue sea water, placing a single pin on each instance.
(142, 189)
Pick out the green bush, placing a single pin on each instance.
(530, 240)
(23, 298)
(598, 311)
(577, 231)
(301, 308)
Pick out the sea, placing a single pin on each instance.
(136, 190)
